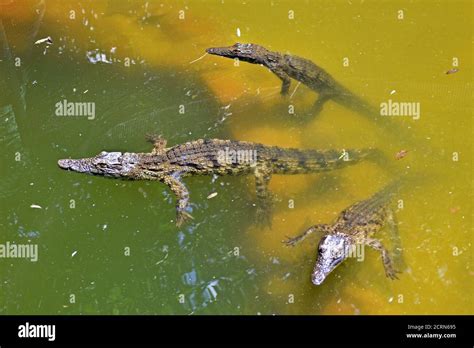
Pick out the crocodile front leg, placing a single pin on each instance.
(319, 103)
(286, 80)
(263, 175)
(182, 194)
(159, 144)
(387, 261)
(325, 228)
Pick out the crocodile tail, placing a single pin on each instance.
(387, 125)
(388, 191)
(306, 161)
(413, 180)
(357, 104)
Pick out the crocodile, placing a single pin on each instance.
(356, 226)
(170, 165)
(287, 67)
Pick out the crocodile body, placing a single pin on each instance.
(209, 157)
(287, 67)
(354, 226)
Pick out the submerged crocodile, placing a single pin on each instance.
(212, 156)
(355, 226)
(286, 67)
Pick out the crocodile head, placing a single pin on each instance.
(332, 250)
(112, 164)
(246, 52)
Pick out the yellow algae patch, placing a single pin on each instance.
(335, 126)
(301, 97)
(286, 293)
(259, 81)
(353, 180)
(20, 11)
(356, 299)
(370, 300)
(288, 223)
(267, 135)
(226, 87)
(280, 287)
(340, 305)
(151, 35)
(289, 185)
(132, 40)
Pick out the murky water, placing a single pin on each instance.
(109, 247)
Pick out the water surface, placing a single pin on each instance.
(112, 247)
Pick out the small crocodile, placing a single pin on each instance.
(354, 226)
(212, 156)
(287, 66)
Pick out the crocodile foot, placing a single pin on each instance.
(182, 217)
(392, 273)
(291, 241)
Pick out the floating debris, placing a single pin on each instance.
(452, 71)
(46, 40)
(36, 206)
(343, 154)
(195, 60)
(162, 260)
(95, 57)
(212, 293)
(28, 234)
(238, 32)
(401, 154)
(212, 195)
(454, 210)
(74, 253)
(294, 91)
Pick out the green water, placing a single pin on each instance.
(111, 247)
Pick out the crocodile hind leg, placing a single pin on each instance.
(182, 194)
(264, 198)
(299, 238)
(388, 265)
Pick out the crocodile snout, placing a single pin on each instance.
(72, 164)
(220, 51)
(317, 278)
(64, 163)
